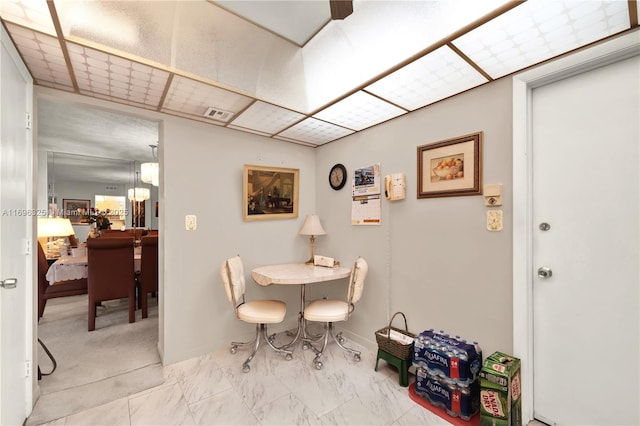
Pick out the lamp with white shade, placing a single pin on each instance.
(53, 228)
(312, 227)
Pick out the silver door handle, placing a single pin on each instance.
(9, 283)
(544, 272)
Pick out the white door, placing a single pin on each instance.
(586, 133)
(16, 304)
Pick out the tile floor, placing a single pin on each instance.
(213, 390)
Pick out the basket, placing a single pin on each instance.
(394, 347)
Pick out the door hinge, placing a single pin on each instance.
(27, 247)
(28, 122)
(27, 368)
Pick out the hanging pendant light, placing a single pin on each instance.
(138, 194)
(150, 172)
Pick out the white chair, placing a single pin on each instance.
(258, 312)
(329, 311)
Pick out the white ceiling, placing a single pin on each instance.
(266, 67)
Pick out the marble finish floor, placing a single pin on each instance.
(213, 390)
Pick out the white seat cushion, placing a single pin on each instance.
(262, 311)
(324, 310)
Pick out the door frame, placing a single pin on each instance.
(599, 55)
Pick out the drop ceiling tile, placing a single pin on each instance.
(266, 118)
(43, 56)
(315, 131)
(438, 75)
(192, 97)
(539, 30)
(32, 14)
(109, 77)
(359, 111)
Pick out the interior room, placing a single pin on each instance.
(408, 130)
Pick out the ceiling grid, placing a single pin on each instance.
(518, 35)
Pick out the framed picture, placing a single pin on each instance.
(74, 210)
(269, 193)
(451, 167)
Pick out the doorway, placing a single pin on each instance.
(118, 356)
(576, 236)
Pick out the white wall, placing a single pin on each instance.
(202, 168)
(431, 258)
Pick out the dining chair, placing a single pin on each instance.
(329, 311)
(147, 279)
(110, 268)
(258, 312)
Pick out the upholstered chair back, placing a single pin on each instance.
(232, 273)
(356, 281)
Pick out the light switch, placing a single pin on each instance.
(190, 222)
(494, 220)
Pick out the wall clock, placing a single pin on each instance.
(337, 176)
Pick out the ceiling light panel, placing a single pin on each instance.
(114, 78)
(140, 28)
(539, 30)
(359, 111)
(315, 132)
(266, 118)
(277, 16)
(43, 56)
(193, 97)
(32, 14)
(438, 75)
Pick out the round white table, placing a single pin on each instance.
(299, 274)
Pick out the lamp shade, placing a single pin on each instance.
(312, 226)
(54, 227)
(150, 173)
(138, 194)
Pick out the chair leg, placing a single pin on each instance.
(132, 308)
(261, 330)
(317, 362)
(269, 340)
(144, 302)
(92, 315)
(339, 340)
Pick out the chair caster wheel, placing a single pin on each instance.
(246, 368)
(318, 365)
(357, 357)
(289, 357)
(272, 337)
(233, 349)
(305, 346)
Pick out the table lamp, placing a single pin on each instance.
(51, 228)
(312, 227)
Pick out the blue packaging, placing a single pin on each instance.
(458, 401)
(447, 357)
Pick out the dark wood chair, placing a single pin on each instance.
(147, 280)
(59, 289)
(111, 274)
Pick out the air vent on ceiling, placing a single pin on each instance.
(110, 188)
(218, 114)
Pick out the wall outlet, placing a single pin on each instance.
(190, 222)
(494, 220)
